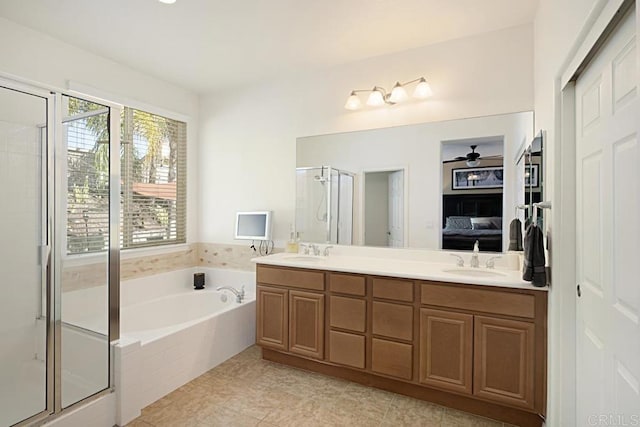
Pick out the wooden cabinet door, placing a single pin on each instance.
(306, 324)
(504, 361)
(272, 317)
(446, 350)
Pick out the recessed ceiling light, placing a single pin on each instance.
(167, 1)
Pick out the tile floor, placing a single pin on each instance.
(248, 391)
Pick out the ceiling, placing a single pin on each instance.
(208, 45)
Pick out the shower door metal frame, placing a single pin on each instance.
(46, 167)
(113, 251)
(52, 179)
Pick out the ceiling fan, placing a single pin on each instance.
(472, 158)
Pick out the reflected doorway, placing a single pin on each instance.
(384, 208)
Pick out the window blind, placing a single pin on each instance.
(86, 132)
(154, 163)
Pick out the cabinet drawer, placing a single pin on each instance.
(392, 358)
(293, 278)
(488, 301)
(347, 313)
(398, 290)
(392, 320)
(347, 284)
(346, 349)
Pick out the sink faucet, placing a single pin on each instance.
(326, 250)
(475, 263)
(238, 293)
(459, 261)
(491, 261)
(315, 248)
(305, 248)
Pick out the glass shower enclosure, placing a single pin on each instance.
(58, 308)
(324, 205)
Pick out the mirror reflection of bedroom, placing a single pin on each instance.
(472, 193)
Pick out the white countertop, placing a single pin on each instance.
(406, 268)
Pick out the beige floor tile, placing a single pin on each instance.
(249, 391)
(453, 418)
(227, 418)
(138, 423)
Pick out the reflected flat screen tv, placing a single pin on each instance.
(253, 225)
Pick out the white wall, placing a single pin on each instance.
(248, 135)
(556, 27)
(35, 57)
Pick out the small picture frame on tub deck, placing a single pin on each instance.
(477, 178)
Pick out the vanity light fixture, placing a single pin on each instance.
(378, 96)
(167, 1)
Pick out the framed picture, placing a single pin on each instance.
(477, 178)
(531, 176)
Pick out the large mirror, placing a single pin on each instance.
(530, 173)
(392, 187)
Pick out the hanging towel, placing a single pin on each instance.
(515, 235)
(534, 270)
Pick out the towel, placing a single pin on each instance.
(515, 235)
(534, 270)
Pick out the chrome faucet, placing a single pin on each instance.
(305, 248)
(491, 261)
(238, 293)
(475, 262)
(326, 250)
(459, 261)
(315, 248)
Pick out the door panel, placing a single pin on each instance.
(503, 360)
(306, 324)
(446, 349)
(23, 306)
(607, 230)
(272, 318)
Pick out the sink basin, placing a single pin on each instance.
(303, 258)
(474, 272)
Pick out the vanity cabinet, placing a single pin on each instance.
(272, 326)
(503, 364)
(476, 348)
(347, 319)
(306, 324)
(290, 319)
(446, 350)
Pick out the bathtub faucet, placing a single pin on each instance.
(238, 293)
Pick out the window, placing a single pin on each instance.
(153, 178)
(154, 160)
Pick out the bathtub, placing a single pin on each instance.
(171, 333)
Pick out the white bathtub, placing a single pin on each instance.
(171, 334)
(154, 319)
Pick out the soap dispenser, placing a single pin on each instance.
(292, 244)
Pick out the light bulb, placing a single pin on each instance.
(167, 1)
(353, 102)
(376, 98)
(473, 163)
(423, 90)
(398, 93)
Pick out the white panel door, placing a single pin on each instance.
(608, 233)
(396, 209)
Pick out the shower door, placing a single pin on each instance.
(25, 361)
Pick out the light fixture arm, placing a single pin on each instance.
(353, 103)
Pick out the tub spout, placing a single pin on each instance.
(238, 293)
